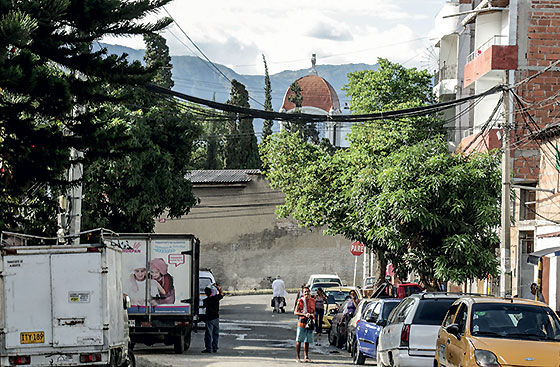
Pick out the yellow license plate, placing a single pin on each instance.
(32, 337)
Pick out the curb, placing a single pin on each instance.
(249, 292)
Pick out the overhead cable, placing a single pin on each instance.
(281, 116)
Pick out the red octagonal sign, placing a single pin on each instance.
(357, 248)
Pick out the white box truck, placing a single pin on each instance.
(61, 305)
(160, 275)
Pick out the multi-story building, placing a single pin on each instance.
(485, 43)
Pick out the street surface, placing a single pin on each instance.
(250, 335)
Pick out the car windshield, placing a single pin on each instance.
(203, 282)
(514, 321)
(327, 280)
(339, 296)
(323, 285)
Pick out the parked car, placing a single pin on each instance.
(351, 328)
(337, 331)
(336, 297)
(410, 336)
(489, 331)
(205, 279)
(324, 278)
(367, 331)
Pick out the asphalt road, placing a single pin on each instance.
(250, 335)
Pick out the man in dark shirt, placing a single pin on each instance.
(212, 319)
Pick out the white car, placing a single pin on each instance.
(205, 279)
(323, 278)
(409, 338)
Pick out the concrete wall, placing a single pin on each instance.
(243, 241)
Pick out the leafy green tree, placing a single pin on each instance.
(241, 148)
(47, 68)
(396, 188)
(126, 192)
(267, 125)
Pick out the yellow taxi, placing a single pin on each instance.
(498, 332)
(336, 297)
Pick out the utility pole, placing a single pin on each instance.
(505, 237)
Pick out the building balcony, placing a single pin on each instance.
(491, 56)
(445, 80)
(485, 142)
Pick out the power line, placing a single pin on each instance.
(270, 115)
(201, 52)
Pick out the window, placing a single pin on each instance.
(203, 282)
(450, 316)
(387, 308)
(432, 311)
(461, 318)
(375, 311)
(400, 312)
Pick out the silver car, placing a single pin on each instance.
(409, 338)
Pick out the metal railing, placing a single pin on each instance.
(446, 72)
(497, 40)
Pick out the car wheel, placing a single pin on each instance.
(339, 339)
(332, 338)
(357, 356)
(179, 344)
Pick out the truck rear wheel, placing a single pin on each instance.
(179, 344)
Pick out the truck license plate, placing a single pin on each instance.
(32, 337)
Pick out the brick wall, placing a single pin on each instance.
(540, 93)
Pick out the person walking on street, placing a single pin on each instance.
(212, 319)
(321, 303)
(305, 308)
(279, 293)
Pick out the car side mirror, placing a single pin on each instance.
(453, 329)
(382, 323)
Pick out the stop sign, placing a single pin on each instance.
(357, 248)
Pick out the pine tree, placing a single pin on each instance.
(241, 149)
(47, 68)
(157, 57)
(267, 125)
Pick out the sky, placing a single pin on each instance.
(236, 33)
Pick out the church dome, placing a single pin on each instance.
(316, 93)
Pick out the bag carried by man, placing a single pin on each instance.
(310, 324)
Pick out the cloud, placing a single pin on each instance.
(329, 32)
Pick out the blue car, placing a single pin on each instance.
(369, 327)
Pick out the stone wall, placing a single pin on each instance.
(243, 241)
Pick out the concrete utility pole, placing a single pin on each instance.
(505, 240)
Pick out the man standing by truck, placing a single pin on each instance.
(212, 319)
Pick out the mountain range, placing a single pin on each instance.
(197, 77)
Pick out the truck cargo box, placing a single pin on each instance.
(62, 305)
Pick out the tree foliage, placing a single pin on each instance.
(396, 188)
(241, 148)
(126, 192)
(267, 124)
(47, 67)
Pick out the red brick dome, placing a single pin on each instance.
(316, 92)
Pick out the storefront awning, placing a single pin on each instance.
(534, 257)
